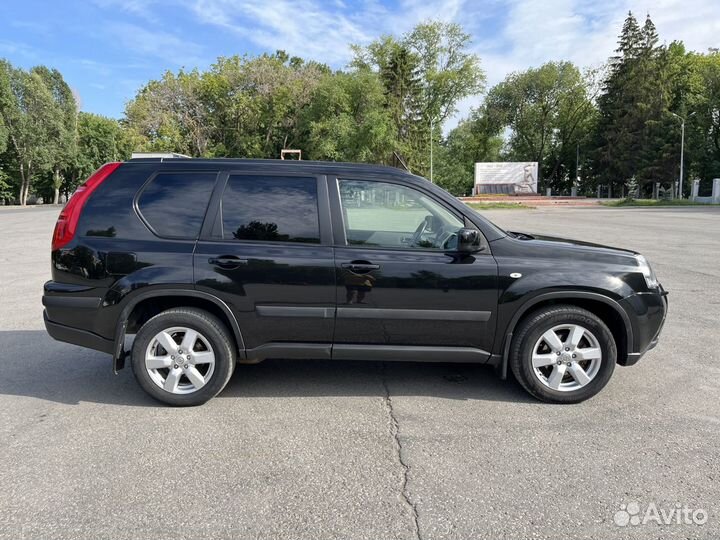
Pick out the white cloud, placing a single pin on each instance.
(139, 8)
(317, 30)
(14, 48)
(36, 27)
(300, 27)
(695, 22)
(158, 44)
(585, 31)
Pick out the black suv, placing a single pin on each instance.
(213, 262)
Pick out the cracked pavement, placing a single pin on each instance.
(316, 449)
(397, 445)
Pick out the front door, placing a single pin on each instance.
(399, 281)
(268, 256)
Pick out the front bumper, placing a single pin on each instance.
(648, 313)
(633, 358)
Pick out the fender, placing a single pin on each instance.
(119, 340)
(570, 295)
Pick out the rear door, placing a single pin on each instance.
(267, 254)
(399, 281)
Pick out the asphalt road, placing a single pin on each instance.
(315, 450)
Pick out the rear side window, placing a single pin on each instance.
(271, 208)
(174, 204)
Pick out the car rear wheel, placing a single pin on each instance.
(563, 354)
(183, 356)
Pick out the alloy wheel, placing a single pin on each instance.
(180, 360)
(567, 357)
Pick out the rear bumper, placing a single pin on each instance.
(72, 314)
(76, 336)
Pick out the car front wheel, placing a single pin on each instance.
(183, 356)
(563, 354)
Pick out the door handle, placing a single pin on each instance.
(227, 261)
(360, 267)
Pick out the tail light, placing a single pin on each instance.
(70, 215)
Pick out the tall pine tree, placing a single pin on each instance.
(403, 90)
(634, 124)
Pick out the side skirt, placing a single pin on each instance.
(409, 353)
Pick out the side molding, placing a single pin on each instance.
(295, 311)
(413, 314)
(288, 351)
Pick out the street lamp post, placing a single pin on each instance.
(577, 165)
(431, 149)
(682, 151)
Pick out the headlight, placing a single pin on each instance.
(647, 272)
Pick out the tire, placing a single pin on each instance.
(201, 373)
(587, 359)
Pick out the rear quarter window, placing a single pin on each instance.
(173, 204)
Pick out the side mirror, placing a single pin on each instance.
(468, 241)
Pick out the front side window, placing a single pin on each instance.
(382, 214)
(270, 208)
(174, 204)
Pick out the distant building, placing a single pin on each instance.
(506, 177)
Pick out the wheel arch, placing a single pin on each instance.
(609, 311)
(147, 304)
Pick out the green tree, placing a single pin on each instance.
(241, 107)
(259, 102)
(695, 96)
(347, 120)
(171, 115)
(704, 140)
(548, 112)
(5, 101)
(470, 142)
(425, 73)
(634, 125)
(4, 131)
(399, 73)
(448, 71)
(29, 113)
(61, 126)
(99, 140)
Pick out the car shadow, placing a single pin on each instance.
(34, 365)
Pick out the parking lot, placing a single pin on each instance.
(315, 449)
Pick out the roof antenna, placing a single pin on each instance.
(401, 161)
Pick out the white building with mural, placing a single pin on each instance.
(506, 178)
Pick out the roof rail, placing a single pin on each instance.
(161, 155)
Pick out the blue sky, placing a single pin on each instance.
(107, 49)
